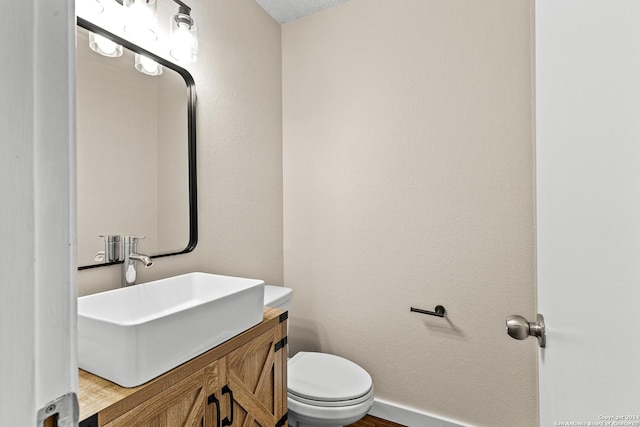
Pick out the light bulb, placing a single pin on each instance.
(89, 7)
(181, 42)
(104, 46)
(147, 65)
(184, 38)
(141, 21)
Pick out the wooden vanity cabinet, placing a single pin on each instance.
(240, 383)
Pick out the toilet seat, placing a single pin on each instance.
(326, 380)
(328, 404)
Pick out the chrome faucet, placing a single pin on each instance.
(129, 273)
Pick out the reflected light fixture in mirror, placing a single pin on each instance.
(104, 46)
(141, 19)
(184, 35)
(147, 65)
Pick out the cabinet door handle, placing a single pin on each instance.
(228, 421)
(214, 399)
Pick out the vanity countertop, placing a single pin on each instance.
(111, 400)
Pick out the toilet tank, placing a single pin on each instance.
(278, 297)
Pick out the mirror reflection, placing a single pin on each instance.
(133, 152)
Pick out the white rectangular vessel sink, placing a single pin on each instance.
(132, 335)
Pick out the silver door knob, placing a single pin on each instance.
(519, 328)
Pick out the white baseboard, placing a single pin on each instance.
(410, 417)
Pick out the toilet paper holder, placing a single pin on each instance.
(439, 312)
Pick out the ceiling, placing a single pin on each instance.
(284, 11)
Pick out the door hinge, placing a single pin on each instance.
(280, 344)
(62, 412)
(282, 420)
(284, 316)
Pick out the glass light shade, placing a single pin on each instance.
(183, 38)
(89, 7)
(147, 65)
(104, 46)
(141, 20)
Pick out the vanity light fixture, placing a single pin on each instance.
(104, 46)
(183, 43)
(147, 65)
(141, 20)
(141, 23)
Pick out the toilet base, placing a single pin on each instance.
(301, 415)
(293, 422)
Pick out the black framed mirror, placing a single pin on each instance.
(136, 150)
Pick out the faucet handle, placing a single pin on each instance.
(99, 256)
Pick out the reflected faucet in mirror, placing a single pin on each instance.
(129, 273)
(112, 249)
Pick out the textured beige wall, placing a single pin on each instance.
(238, 82)
(408, 181)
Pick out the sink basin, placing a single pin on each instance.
(132, 335)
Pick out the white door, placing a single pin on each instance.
(588, 210)
(37, 213)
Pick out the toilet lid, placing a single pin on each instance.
(325, 377)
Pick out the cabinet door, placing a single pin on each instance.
(183, 404)
(213, 410)
(255, 378)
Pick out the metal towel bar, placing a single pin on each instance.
(440, 311)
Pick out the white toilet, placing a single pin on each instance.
(323, 389)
